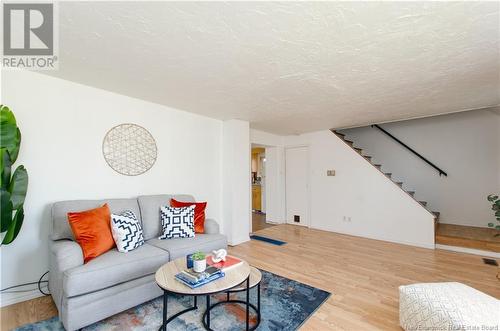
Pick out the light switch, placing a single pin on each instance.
(330, 172)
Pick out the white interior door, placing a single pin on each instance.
(297, 185)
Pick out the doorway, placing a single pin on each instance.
(297, 185)
(259, 191)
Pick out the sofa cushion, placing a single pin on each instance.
(150, 212)
(177, 222)
(113, 268)
(92, 231)
(127, 231)
(181, 247)
(199, 213)
(60, 210)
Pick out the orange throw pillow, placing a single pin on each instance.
(92, 230)
(199, 213)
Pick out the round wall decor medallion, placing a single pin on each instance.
(129, 149)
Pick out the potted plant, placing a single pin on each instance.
(495, 206)
(13, 183)
(199, 262)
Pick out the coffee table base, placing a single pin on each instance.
(206, 314)
(167, 319)
(254, 308)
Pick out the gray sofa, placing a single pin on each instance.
(114, 281)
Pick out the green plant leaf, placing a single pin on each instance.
(495, 207)
(497, 227)
(5, 210)
(10, 136)
(5, 168)
(492, 197)
(15, 227)
(497, 213)
(491, 225)
(18, 187)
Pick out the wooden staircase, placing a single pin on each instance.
(388, 175)
(484, 239)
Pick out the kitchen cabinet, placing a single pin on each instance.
(256, 197)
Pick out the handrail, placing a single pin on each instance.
(441, 172)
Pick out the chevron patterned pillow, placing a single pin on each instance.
(127, 231)
(177, 222)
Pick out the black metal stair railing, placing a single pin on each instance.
(441, 172)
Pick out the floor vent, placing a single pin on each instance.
(490, 262)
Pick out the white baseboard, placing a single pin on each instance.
(381, 238)
(238, 241)
(7, 299)
(468, 250)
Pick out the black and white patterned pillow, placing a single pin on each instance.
(127, 231)
(177, 222)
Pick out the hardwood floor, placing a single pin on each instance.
(362, 274)
(31, 311)
(259, 222)
(468, 236)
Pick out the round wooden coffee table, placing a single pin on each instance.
(237, 277)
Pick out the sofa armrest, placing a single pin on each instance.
(64, 255)
(211, 226)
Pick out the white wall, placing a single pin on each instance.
(297, 185)
(265, 138)
(466, 145)
(377, 208)
(63, 125)
(236, 181)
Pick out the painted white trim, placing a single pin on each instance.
(381, 238)
(13, 298)
(468, 251)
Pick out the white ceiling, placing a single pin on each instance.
(288, 67)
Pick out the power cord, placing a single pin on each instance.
(39, 284)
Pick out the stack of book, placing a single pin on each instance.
(195, 279)
(230, 262)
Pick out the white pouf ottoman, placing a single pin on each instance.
(447, 306)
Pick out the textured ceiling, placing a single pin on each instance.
(288, 67)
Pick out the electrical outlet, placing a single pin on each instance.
(330, 172)
(346, 219)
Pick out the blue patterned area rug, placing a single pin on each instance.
(285, 305)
